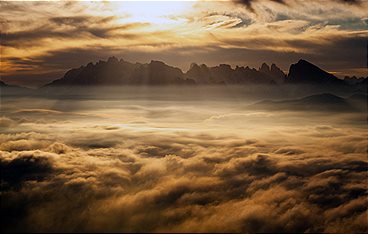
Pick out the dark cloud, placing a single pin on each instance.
(28, 166)
(249, 3)
(79, 21)
(28, 36)
(81, 27)
(96, 141)
(350, 1)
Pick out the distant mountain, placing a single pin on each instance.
(276, 74)
(2, 84)
(304, 72)
(354, 80)
(318, 102)
(158, 73)
(5, 85)
(119, 72)
(224, 74)
(200, 74)
(115, 72)
(6, 89)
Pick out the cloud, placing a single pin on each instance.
(248, 3)
(61, 28)
(96, 179)
(6, 122)
(27, 165)
(20, 145)
(37, 111)
(276, 29)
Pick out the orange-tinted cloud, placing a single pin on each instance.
(35, 31)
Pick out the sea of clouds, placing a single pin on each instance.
(179, 168)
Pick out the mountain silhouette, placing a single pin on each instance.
(354, 80)
(3, 84)
(318, 102)
(274, 72)
(224, 74)
(158, 73)
(304, 72)
(8, 86)
(6, 89)
(119, 72)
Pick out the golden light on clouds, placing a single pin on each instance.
(32, 32)
(184, 116)
(156, 159)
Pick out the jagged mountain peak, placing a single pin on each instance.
(119, 72)
(112, 59)
(264, 68)
(306, 72)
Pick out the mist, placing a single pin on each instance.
(185, 159)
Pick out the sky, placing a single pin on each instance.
(41, 40)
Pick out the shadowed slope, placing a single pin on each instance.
(308, 73)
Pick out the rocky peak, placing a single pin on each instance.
(112, 59)
(264, 68)
(306, 72)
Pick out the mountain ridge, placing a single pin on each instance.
(120, 72)
(317, 102)
(306, 72)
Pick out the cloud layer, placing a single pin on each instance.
(86, 170)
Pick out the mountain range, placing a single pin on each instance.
(114, 72)
(319, 102)
(121, 72)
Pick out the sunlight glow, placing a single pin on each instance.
(160, 15)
